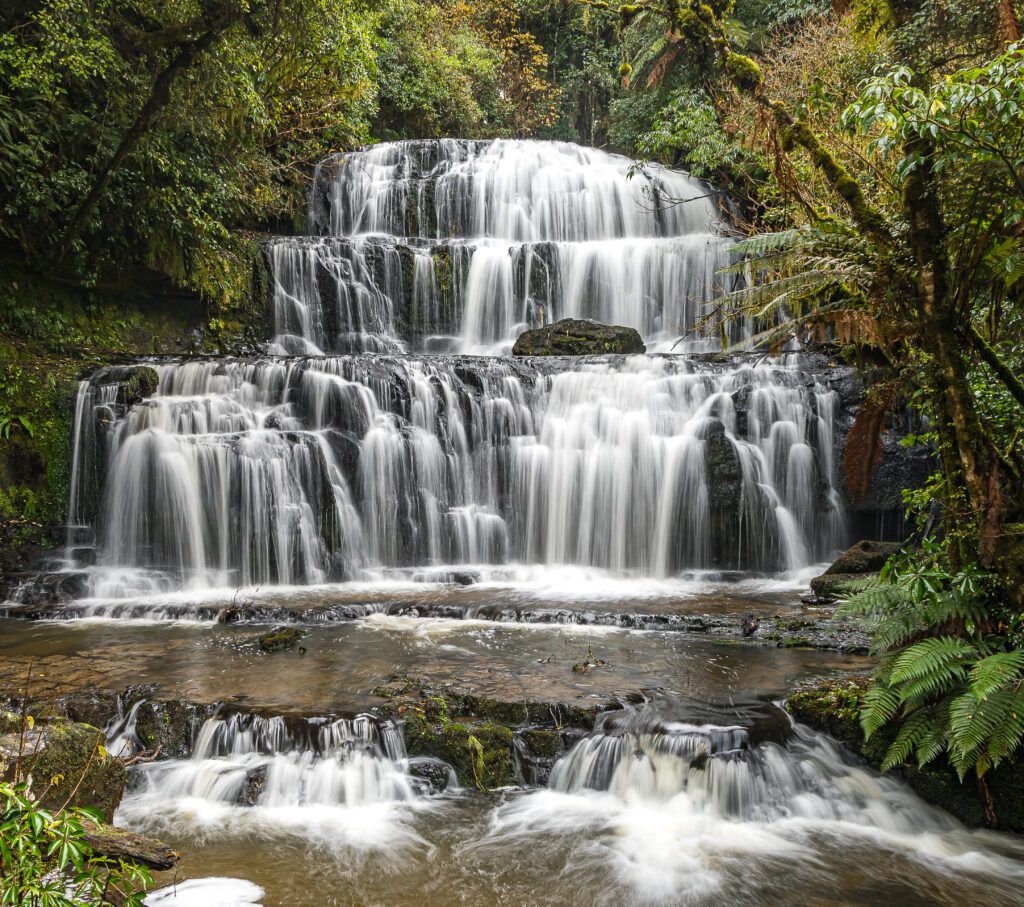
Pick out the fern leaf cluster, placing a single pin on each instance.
(948, 684)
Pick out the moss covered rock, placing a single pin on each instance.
(280, 638)
(577, 337)
(66, 763)
(857, 562)
(480, 752)
(140, 384)
(121, 844)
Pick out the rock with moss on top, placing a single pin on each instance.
(578, 337)
(65, 762)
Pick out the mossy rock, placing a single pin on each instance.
(830, 586)
(479, 752)
(121, 844)
(140, 385)
(279, 639)
(542, 741)
(67, 764)
(577, 337)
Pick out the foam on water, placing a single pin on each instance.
(678, 814)
(208, 892)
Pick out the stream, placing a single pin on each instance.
(617, 544)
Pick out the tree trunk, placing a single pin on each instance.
(159, 98)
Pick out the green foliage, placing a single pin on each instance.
(951, 681)
(687, 128)
(46, 861)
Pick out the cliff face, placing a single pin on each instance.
(879, 512)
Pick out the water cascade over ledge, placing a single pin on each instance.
(302, 471)
(454, 246)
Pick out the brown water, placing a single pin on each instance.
(779, 825)
(342, 663)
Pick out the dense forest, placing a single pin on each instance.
(872, 154)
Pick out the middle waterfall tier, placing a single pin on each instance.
(455, 246)
(318, 469)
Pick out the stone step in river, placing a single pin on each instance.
(538, 614)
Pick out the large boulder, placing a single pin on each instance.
(864, 557)
(857, 562)
(576, 337)
(65, 762)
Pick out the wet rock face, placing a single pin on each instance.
(576, 337)
(435, 774)
(66, 763)
(879, 512)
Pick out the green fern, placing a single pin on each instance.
(946, 685)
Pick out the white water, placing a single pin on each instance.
(306, 471)
(680, 814)
(341, 786)
(459, 246)
(208, 892)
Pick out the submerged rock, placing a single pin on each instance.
(576, 337)
(280, 638)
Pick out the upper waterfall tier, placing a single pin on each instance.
(518, 191)
(458, 246)
(311, 470)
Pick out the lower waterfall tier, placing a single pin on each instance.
(302, 471)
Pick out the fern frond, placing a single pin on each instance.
(996, 671)
(1008, 736)
(931, 658)
(879, 705)
(972, 722)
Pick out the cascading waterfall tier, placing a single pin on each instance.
(458, 246)
(330, 779)
(307, 470)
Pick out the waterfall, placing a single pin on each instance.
(358, 445)
(307, 470)
(341, 782)
(459, 246)
(670, 813)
